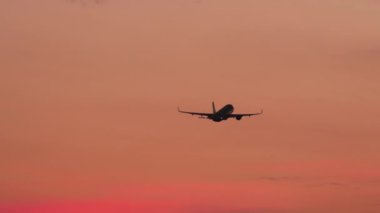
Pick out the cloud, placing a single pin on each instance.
(276, 178)
(86, 2)
(272, 178)
(369, 54)
(338, 184)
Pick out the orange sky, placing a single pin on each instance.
(89, 92)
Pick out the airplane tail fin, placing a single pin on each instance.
(213, 107)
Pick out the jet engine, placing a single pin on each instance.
(238, 118)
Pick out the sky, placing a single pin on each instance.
(89, 93)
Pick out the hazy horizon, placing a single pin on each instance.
(90, 89)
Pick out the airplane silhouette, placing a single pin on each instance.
(222, 114)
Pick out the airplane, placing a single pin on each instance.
(220, 115)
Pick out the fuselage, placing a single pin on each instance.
(222, 114)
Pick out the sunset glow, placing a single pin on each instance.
(89, 92)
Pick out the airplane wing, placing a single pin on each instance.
(195, 113)
(242, 115)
